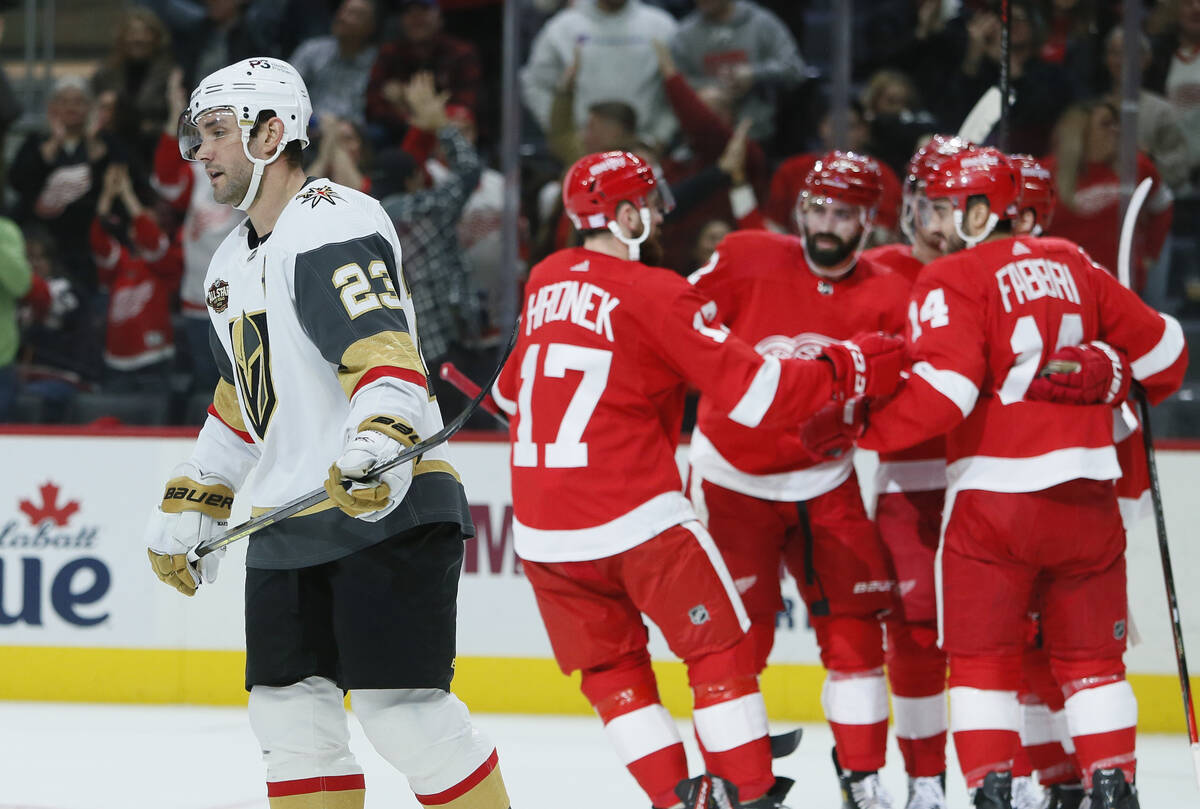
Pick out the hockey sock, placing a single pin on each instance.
(641, 731)
(482, 789)
(984, 714)
(323, 792)
(916, 670)
(854, 696)
(731, 727)
(1101, 714)
(1041, 744)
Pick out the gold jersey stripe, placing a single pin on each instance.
(387, 348)
(341, 799)
(423, 467)
(225, 401)
(487, 794)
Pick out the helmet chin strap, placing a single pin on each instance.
(634, 244)
(256, 176)
(971, 241)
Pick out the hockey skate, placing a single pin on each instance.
(861, 789)
(714, 792)
(927, 792)
(1064, 796)
(1026, 794)
(994, 793)
(1110, 790)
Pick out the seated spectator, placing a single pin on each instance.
(1084, 164)
(1160, 133)
(140, 266)
(186, 188)
(136, 72)
(342, 154)
(223, 32)
(1040, 90)
(15, 283)
(788, 181)
(56, 176)
(1072, 41)
(336, 68)
(615, 42)
(892, 110)
(1176, 73)
(422, 47)
(745, 52)
(426, 221)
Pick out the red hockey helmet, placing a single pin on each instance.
(599, 182)
(1036, 190)
(984, 171)
(938, 147)
(846, 177)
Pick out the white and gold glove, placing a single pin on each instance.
(372, 497)
(195, 507)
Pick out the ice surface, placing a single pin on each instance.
(74, 756)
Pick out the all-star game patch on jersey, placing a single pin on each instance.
(313, 331)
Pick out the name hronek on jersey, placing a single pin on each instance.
(575, 302)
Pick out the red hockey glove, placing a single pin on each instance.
(835, 428)
(868, 364)
(1090, 374)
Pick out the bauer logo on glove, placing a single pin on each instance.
(371, 497)
(195, 507)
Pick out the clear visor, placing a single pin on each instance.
(934, 213)
(661, 197)
(205, 127)
(817, 214)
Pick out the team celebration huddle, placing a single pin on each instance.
(982, 595)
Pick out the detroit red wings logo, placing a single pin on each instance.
(806, 346)
(49, 509)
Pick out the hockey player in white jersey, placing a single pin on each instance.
(316, 339)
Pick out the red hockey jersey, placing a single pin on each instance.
(766, 295)
(596, 386)
(982, 324)
(921, 468)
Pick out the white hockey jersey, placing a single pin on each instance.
(314, 331)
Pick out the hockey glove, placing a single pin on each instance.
(834, 429)
(372, 497)
(1089, 374)
(867, 364)
(195, 507)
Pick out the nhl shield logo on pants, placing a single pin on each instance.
(698, 614)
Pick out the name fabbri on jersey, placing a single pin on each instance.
(1032, 278)
(575, 302)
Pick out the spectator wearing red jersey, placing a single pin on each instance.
(142, 272)
(421, 46)
(1084, 165)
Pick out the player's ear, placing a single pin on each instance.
(628, 217)
(978, 212)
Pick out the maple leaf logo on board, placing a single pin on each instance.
(49, 509)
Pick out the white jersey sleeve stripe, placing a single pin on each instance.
(1163, 354)
(757, 399)
(951, 384)
(507, 405)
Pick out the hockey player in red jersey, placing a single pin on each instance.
(1032, 511)
(765, 499)
(910, 487)
(595, 386)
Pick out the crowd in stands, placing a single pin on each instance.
(108, 231)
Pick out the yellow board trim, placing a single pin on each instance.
(487, 684)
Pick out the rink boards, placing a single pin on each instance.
(83, 618)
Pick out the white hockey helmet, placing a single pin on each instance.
(238, 93)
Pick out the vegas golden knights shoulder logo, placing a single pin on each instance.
(252, 363)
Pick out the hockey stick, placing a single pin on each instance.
(983, 117)
(1124, 257)
(319, 495)
(449, 372)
